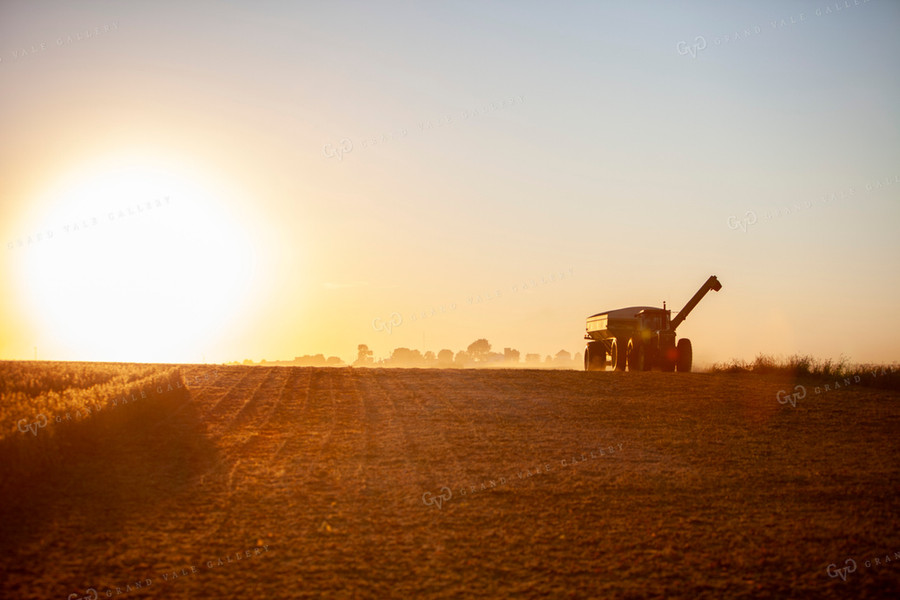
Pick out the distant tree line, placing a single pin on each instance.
(477, 355)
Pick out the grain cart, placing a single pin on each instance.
(643, 337)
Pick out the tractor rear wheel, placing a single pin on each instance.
(618, 354)
(685, 356)
(594, 357)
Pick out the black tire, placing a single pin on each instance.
(619, 354)
(685, 356)
(594, 357)
(637, 356)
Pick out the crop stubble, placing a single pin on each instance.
(712, 488)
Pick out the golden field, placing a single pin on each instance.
(372, 483)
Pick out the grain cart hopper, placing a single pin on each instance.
(643, 337)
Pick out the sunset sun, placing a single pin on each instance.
(133, 262)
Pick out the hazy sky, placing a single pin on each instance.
(299, 174)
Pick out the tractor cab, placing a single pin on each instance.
(653, 319)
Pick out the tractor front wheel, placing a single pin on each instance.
(685, 356)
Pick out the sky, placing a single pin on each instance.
(215, 181)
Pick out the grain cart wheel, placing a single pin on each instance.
(637, 355)
(594, 357)
(600, 351)
(685, 356)
(618, 354)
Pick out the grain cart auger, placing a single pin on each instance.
(643, 337)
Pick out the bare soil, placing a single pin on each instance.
(371, 483)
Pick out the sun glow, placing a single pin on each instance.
(130, 262)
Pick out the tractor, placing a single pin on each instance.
(641, 338)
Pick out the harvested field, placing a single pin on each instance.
(372, 483)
